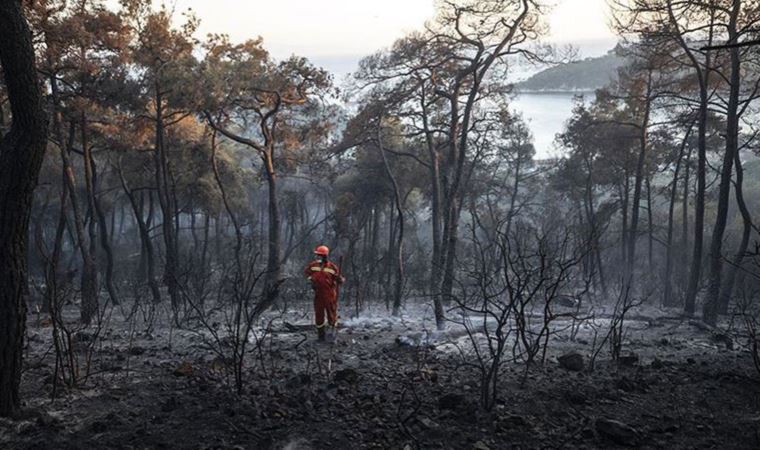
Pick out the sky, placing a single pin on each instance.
(335, 34)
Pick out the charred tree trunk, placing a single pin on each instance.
(98, 214)
(147, 245)
(711, 306)
(142, 266)
(594, 237)
(650, 226)
(204, 249)
(732, 272)
(165, 200)
(625, 194)
(225, 201)
(435, 178)
(273, 278)
(398, 249)
(21, 154)
(684, 253)
(638, 184)
(703, 77)
(695, 271)
(50, 300)
(89, 278)
(667, 296)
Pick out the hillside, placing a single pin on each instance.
(586, 75)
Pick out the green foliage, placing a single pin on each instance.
(585, 75)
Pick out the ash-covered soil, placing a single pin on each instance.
(388, 383)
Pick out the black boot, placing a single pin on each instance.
(321, 333)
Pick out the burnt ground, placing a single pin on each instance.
(689, 388)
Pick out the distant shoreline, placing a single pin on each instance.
(554, 91)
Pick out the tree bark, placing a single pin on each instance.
(711, 306)
(165, 200)
(650, 225)
(147, 244)
(89, 276)
(398, 253)
(274, 250)
(667, 296)
(638, 183)
(105, 240)
(435, 178)
(733, 271)
(21, 153)
(703, 78)
(625, 194)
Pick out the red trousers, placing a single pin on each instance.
(325, 304)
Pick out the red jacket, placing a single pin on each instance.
(325, 278)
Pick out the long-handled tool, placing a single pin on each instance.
(337, 299)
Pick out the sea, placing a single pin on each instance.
(546, 114)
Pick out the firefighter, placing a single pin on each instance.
(325, 280)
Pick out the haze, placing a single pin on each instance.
(337, 33)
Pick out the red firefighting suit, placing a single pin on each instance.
(325, 279)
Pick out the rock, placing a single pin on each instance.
(428, 423)
(24, 427)
(618, 432)
(657, 364)
(347, 375)
(572, 361)
(451, 401)
(691, 361)
(185, 369)
(480, 445)
(136, 351)
(629, 360)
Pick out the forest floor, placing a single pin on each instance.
(689, 387)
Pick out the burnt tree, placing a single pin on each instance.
(21, 153)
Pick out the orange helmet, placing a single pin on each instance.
(322, 250)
